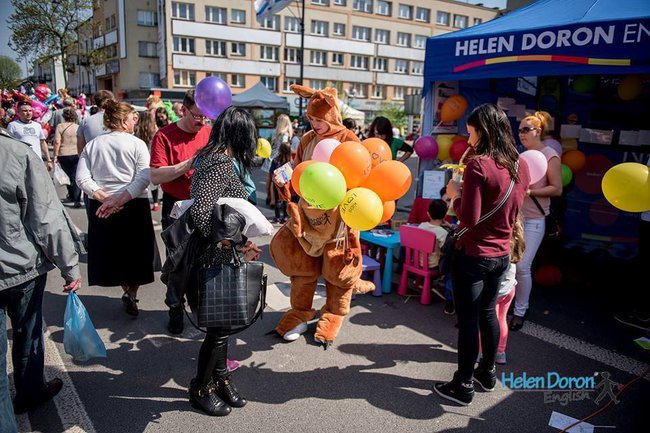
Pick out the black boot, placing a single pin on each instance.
(175, 325)
(206, 400)
(227, 390)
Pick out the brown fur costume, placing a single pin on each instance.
(307, 246)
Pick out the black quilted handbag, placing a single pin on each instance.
(232, 296)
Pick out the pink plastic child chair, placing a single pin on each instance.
(418, 244)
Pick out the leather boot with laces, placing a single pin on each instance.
(227, 391)
(206, 400)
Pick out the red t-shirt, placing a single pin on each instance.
(171, 145)
(484, 185)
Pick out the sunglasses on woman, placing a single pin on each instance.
(526, 129)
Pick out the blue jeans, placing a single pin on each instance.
(534, 234)
(23, 304)
(476, 286)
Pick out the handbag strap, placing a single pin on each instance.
(539, 206)
(487, 215)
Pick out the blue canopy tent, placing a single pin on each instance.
(561, 39)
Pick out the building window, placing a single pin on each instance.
(185, 78)
(183, 45)
(378, 92)
(147, 18)
(320, 2)
(113, 22)
(359, 62)
(403, 39)
(238, 16)
(216, 74)
(362, 6)
(423, 15)
(382, 36)
(420, 41)
(398, 93)
(340, 2)
(405, 12)
(318, 58)
(401, 66)
(380, 64)
(215, 48)
(442, 18)
(417, 68)
(271, 23)
(320, 28)
(337, 59)
(149, 80)
(359, 90)
(268, 53)
(287, 84)
(361, 33)
(317, 84)
(270, 83)
(291, 24)
(338, 29)
(216, 15)
(460, 21)
(237, 48)
(477, 21)
(147, 49)
(237, 80)
(383, 8)
(183, 11)
(291, 55)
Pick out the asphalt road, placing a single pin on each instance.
(376, 378)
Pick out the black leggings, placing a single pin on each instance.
(476, 286)
(212, 357)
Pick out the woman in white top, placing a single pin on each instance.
(531, 130)
(113, 171)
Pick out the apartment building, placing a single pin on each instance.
(372, 51)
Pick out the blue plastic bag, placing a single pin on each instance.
(80, 339)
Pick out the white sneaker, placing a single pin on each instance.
(293, 334)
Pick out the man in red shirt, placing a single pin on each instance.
(172, 158)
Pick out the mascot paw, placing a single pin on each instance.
(293, 334)
(362, 287)
(324, 343)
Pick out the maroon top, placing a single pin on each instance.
(484, 185)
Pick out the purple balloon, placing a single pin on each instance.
(426, 147)
(212, 97)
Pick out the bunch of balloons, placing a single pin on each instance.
(212, 97)
(360, 178)
(627, 187)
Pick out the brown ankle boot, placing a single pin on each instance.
(227, 391)
(206, 400)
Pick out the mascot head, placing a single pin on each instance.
(323, 105)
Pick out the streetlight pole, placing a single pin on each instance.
(302, 54)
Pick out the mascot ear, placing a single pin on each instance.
(330, 96)
(304, 91)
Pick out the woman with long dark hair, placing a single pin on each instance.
(482, 254)
(233, 137)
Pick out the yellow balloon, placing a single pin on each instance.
(630, 87)
(263, 148)
(361, 209)
(627, 186)
(444, 146)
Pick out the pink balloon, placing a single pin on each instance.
(324, 149)
(537, 164)
(426, 147)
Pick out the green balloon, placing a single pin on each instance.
(567, 175)
(585, 83)
(322, 185)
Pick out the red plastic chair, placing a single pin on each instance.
(418, 244)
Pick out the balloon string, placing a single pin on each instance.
(339, 235)
(438, 125)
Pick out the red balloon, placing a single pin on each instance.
(548, 275)
(457, 149)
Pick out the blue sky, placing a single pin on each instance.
(6, 9)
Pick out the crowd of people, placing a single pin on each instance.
(117, 156)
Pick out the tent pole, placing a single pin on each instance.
(302, 52)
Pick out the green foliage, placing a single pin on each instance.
(394, 113)
(9, 72)
(46, 29)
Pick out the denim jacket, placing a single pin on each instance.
(35, 230)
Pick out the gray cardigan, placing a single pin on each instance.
(35, 230)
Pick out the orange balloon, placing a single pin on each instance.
(295, 177)
(353, 160)
(390, 180)
(389, 211)
(453, 108)
(574, 159)
(379, 150)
